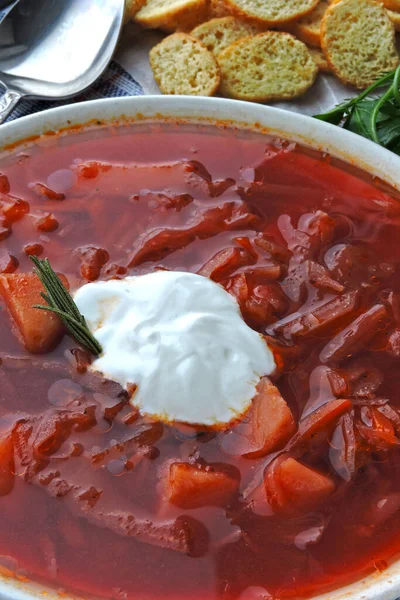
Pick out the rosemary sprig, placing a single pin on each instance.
(61, 302)
(375, 117)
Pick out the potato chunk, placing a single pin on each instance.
(268, 425)
(41, 330)
(293, 488)
(192, 486)
(271, 421)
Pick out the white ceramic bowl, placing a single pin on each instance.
(305, 130)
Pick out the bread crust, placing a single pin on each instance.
(131, 8)
(308, 28)
(218, 8)
(295, 9)
(320, 59)
(394, 16)
(252, 68)
(173, 15)
(218, 34)
(358, 40)
(176, 63)
(392, 4)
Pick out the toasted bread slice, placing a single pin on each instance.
(269, 66)
(271, 12)
(218, 8)
(392, 4)
(358, 40)
(181, 64)
(394, 16)
(218, 34)
(171, 15)
(131, 8)
(319, 59)
(308, 28)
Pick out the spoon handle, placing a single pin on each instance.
(8, 101)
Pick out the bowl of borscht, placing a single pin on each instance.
(199, 355)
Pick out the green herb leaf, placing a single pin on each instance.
(359, 119)
(336, 115)
(60, 301)
(389, 127)
(375, 118)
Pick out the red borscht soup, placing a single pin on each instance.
(298, 496)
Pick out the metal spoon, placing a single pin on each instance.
(6, 6)
(54, 49)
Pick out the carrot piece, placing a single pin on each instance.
(47, 224)
(292, 487)
(13, 208)
(33, 249)
(269, 244)
(225, 262)
(270, 272)
(264, 303)
(323, 418)
(342, 452)
(318, 277)
(383, 426)
(161, 241)
(319, 226)
(393, 416)
(163, 200)
(327, 314)
(42, 190)
(8, 263)
(356, 335)
(238, 287)
(6, 465)
(271, 421)
(93, 259)
(380, 435)
(191, 486)
(41, 330)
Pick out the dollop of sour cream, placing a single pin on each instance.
(181, 339)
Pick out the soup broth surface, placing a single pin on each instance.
(312, 256)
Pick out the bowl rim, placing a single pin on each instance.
(310, 132)
(343, 144)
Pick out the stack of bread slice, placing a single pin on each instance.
(265, 50)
